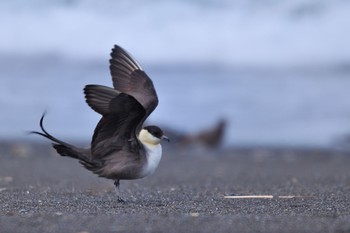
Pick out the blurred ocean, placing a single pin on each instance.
(278, 71)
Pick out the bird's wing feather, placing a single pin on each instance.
(117, 129)
(124, 110)
(99, 97)
(128, 77)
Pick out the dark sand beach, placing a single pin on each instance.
(43, 192)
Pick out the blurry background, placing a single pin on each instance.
(277, 71)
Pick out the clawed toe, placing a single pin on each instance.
(120, 200)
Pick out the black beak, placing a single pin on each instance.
(165, 138)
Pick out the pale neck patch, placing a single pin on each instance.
(146, 138)
(153, 152)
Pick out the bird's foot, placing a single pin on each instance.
(117, 189)
(120, 200)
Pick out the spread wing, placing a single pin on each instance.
(99, 97)
(117, 128)
(128, 77)
(124, 108)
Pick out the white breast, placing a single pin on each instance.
(153, 154)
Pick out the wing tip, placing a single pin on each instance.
(119, 54)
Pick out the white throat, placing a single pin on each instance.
(153, 152)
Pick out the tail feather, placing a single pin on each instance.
(65, 149)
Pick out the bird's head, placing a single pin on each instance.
(152, 135)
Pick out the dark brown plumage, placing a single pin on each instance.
(116, 150)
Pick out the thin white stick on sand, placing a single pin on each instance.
(250, 197)
(265, 197)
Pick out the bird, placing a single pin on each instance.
(121, 147)
(211, 138)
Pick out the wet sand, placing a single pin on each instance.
(43, 192)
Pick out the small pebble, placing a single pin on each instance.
(22, 211)
(195, 214)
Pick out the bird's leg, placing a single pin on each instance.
(117, 189)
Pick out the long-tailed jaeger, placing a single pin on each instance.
(121, 149)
